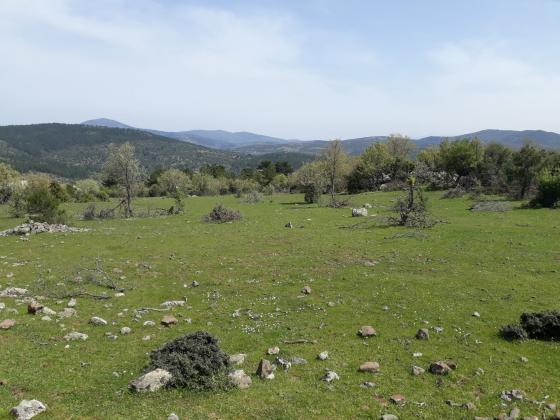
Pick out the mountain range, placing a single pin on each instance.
(256, 144)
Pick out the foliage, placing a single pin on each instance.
(172, 181)
(524, 168)
(252, 197)
(372, 169)
(8, 182)
(195, 360)
(513, 332)
(548, 190)
(42, 206)
(337, 166)
(412, 210)
(221, 214)
(311, 179)
(542, 325)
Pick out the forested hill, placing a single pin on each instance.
(77, 151)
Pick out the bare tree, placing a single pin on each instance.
(337, 165)
(125, 170)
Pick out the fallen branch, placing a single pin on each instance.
(300, 341)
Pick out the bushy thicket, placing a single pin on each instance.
(538, 325)
(195, 361)
(221, 214)
(548, 190)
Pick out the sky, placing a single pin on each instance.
(315, 69)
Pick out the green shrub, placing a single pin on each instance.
(513, 332)
(221, 214)
(42, 206)
(312, 194)
(252, 197)
(548, 190)
(195, 361)
(542, 325)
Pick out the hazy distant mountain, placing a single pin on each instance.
(217, 139)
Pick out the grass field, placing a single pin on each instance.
(498, 264)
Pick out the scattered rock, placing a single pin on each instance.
(289, 225)
(34, 307)
(151, 381)
(509, 396)
(147, 338)
(367, 331)
(524, 359)
(469, 406)
(273, 350)
(476, 314)
(440, 368)
(324, 355)
(33, 228)
(397, 399)
(13, 292)
(48, 311)
(46, 318)
(551, 406)
(423, 334)
(306, 290)
(367, 206)
(389, 417)
(438, 329)
(2, 306)
(168, 321)
(284, 363)
(515, 413)
(172, 303)
(330, 376)
(125, 330)
(237, 359)
(417, 370)
(367, 384)
(173, 416)
(149, 324)
(479, 371)
(28, 409)
(74, 336)
(372, 367)
(265, 369)
(95, 320)
(71, 303)
(361, 212)
(67, 313)
(195, 283)
(7, 324)
(298, 361)
(240, 379)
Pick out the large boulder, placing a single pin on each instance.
(240, 379)
(265, 369)
(151, 381)
(361, 212)
(28, 409)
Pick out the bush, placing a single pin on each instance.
(220, 214)
(513, 332)
(411, 209)
(542, 325)
(548, 190)
(252, 197)
(456, 192)
(312, 194)
(42, 206)
(195, 361)
(89, 212)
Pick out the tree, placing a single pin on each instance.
(267, 171)
(311, 179)
(124, 169)
(337, 166)
(284, 167)
(524, 168)
(371, 170)
(172, 181)
(8, 180)
(400, 147)
(463, 159)
(492, 173)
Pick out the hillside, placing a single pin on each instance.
(218, 139)
(75, 151)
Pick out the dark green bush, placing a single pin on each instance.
(542, 325)
(513, 332)
(195, 361)
(42, 206)
(221, 214)
(312, 194)
(548, 190)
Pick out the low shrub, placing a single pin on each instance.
(548, 191)
(195, 361)
(221, 214)
(252, 197)
(89, 212)
(542, 325)
(513, 332)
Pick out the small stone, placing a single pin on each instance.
(2, 306)
(149, 324)
(417, 370)
(289, 225)
(7, 324)
(371, 367)
(265, 369)
(46, 318)
(397, 399)
(330, 376)
(172, 303)
(151, 381)
(509, 396)
(195, 283)
(438, 329)
(361, 212)
(172, 416)
(524, 359)
(306, 290)
(389, 417)
(240, 379)
(28, 409)
(284, 363)
(71, 303)
(423, 334)
(237, 359)
(417, 354)
(479, 371)
(147, 338)
(551, 406)
(34, 308)
(95, 320)
(48, 311)
(125, 330)
(367, 384)
(67, 313)
(385, 308)
(515, 413)
(367, 331)
(439, 368)
(476, 314)
(298, 361)
(119, 294)
(324, 355)
(168, 320)
(74, 336)
(273, 350)
(469, 406)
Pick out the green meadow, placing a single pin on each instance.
(361, 272)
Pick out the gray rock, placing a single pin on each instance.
(324, 355)
(240, 379)
(361, 212)
(151, 381)
(469, 406)
(13, 292)
(306, 290)
(7, 324)
(265, 370)
(173, 416)
(71, 303)
(74, 336)
(417, 370)
(440, 368)
(28, 409)
(149, 324)
(273, 350)
(237, 359)
(367, 331)
(423, 334)
(284, 363)
(125, 330)
(367, 384)
(330, 376)
(173, 303)
(46, 318)
(67, 313)
(389, 417)
(298, 361)
(48, 311)
(95, 320)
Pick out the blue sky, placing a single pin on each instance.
(294, 69)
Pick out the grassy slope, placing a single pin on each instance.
(498, 264)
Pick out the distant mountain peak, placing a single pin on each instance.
(106, 122)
